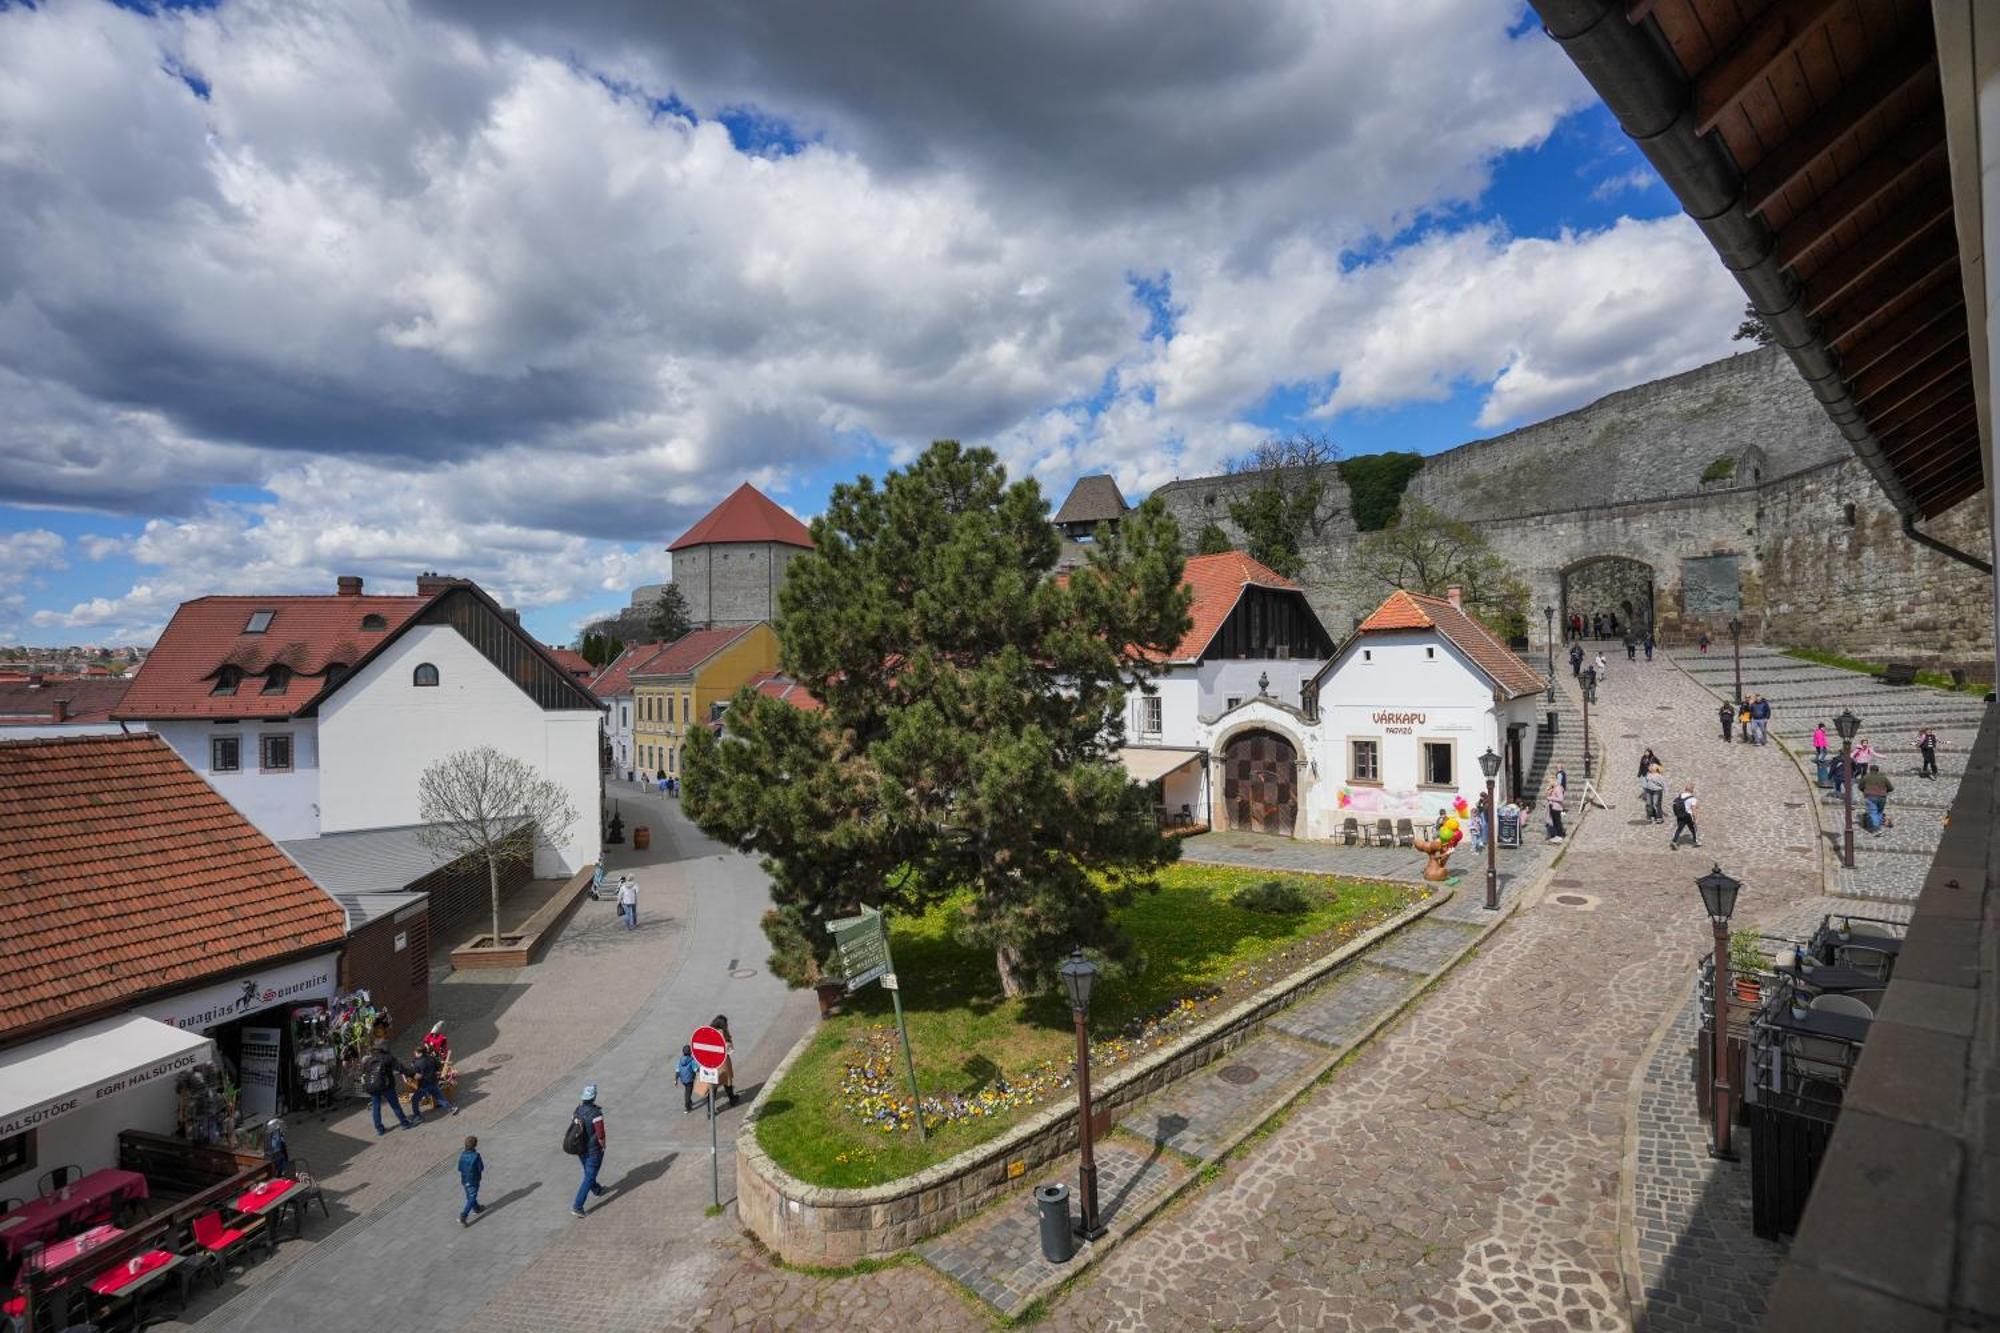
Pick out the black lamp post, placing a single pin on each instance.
(1549, 616)
(1718, 896)
(1078, 976)
(1589, 677)
(1736, 648)
(1489, 764)
(1847, 725)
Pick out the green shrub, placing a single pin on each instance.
(1722, 469)
(1213, 540)
(1274, 897)
(1375, 486)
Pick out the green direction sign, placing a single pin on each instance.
(863, 944)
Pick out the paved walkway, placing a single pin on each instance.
(604, 1005)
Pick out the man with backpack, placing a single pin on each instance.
(1684, 808)
(584, 1140)
(378, 1080)
(1576, 660)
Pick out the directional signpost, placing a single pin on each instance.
(710, 1049)
(863, 945)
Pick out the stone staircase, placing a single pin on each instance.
(1564, 749)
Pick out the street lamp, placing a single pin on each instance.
(1847, 725)
(1589, 677)
(1489, 764)
(1718, 896)
(1736, 649)
(1078, 976)
(1549, 616)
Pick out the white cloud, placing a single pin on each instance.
(1635, 182)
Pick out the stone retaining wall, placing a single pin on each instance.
(810, 1224)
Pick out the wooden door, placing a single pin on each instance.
(1260, 783)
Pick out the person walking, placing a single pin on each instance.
(1701, 642)
(1927, 746)
(1647, 761)
(471, 1170)
(586, 1132)
(628, 902)
(1476, 826)
(1653, 786)
(276, 1151)
(1603, 669)
(1837, 767)
(725, 1076)
(1819, 741)
(685, 1073)
(1576, 660)
(1727, 716)
(429, 1073)
(1556, 803)
(1631, 647)
(1864, 755)
(1649, 645)
(1743, 722)
(1875, 787)
(378, 1079)
(1760, 717)
(1684, 817)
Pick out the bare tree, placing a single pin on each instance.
(1428, 552)
(1290, 501)
(482, 802)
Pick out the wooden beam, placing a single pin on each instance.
(1920, 296)
(1833, 123)
(1881, 376)
(1899, 332)
(1922, 384)
(1638, 11)
(1917, 267)
(1915, 436)
(1953, 489)
(1914, 222)
(1917, 149)
(1921, 462)
(1776, 34)
(1957, 454)
(1911, 418)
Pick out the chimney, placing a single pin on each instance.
(430, 584)
(347, 585)
(1456, 596)
(513, 616)
(34, 680)
(62, 710)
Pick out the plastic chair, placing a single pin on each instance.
(220, 1241)
(1406, 833)
(1871, 998)
(1841, 1004)
(1863, 959)
(1385, 833)
(52, 1181)
(1350, 831)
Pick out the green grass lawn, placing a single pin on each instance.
(1008, 1057)
(1935, 679)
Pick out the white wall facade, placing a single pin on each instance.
(282, 805)
(88, 1136)
(380, 731)
(1193, 696)
(1236, 678)
(618, 731)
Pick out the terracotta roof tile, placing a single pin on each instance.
(748, 515)
(778, 685)
(123, 872)
(690, 651)
(1218, 582)
(85, 700)
(616, 677)
(1405, 610)
(573, 662)
(305, 635)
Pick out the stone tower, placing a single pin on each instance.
(730, 565)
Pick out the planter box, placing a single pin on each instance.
(521, 949)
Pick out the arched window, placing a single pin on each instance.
(276, 679)
(226, 680)
(373, 621)
(425, 674)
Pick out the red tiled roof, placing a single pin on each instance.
(616, 677)
(306, 635)
(778, 685)
(690, 651)
(1405, 610)
(572, 661)
(123, 872)
(85, 699)
(1218, 582)
(748, 515)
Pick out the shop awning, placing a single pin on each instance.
(47, 1079)
(1144, 765)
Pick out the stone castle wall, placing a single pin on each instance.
(732, 583)
(1773, 543)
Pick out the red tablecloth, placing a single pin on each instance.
(263, 1196)
(39, 1219)
(112, 1281)
(60, 1252)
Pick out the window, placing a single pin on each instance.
(1430, 654)
(624, 717)
(226, 681)
(1367, 654)
(673, 759)
(275, 753)
(276, 679)
(334, 671)
(225, 754)
(259, 622)
(670, 708)
(373, 621)
(425, 674)
(1438, 764)
(1364, 761)
(17, 1154)
(1234, 700)
(1149, 715)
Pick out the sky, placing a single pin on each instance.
(517, 291)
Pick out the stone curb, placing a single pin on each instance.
(757, 1172)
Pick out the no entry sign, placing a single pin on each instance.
(710, 1050)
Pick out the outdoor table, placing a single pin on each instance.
(57, 1253)
(1828, 941)
(270, 1198)
(1820, 1023)
(1833, 977)
(39, 1219)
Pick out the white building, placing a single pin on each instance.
(319, 714)
(613, 686)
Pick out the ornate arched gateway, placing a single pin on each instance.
(1260, 783)
(1614, 584)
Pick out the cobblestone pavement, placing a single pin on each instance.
(1259, 851)
(603, 1005)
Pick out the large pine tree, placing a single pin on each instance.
(974, 703)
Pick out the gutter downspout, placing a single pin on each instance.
(1942, 548)
(1630, 68)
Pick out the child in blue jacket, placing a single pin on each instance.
(684, 1074)
(471, 1170)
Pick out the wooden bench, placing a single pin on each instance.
(1899, 673)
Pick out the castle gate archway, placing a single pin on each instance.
(1260, 783)
(1609, 585)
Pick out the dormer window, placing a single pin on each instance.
(226, 681)
(373, 621)
(425, 674)
(334, 671)
(276, 679)
(259, 622)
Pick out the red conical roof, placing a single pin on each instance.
(748, 515)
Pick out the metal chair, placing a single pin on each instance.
(1864, 959)
(52, 1181)
(1406, 833)
(1350, 832)
(307, 1189)
(1841, 1004)
(9, 1205)
(1385, 833)
(1818, 1059)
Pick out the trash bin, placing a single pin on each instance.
(642, 838)
(1058, 1239)
(1551, 727)
(1824, 775)
(1510, 825)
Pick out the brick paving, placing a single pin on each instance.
(1345, 1008)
